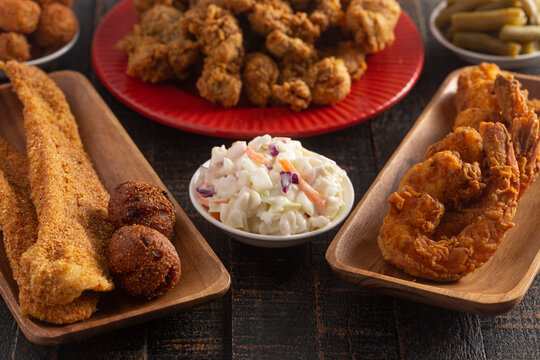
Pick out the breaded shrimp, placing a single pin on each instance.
(407, 236)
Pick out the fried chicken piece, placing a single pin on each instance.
(150, 61)
(221, 40)
(159, 47)
(20, 16)
(372, 23)
(57, 26)
(14, 46)
(327, 13)
(259, 76)
(353, 57)
(291, 49)
(218, 84)
(20, 232)
(329, 81)
(294, 93)
(142, 6)
(71, 203)
(267, 16)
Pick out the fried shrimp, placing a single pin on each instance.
(407, 237)
(68, 257)
(523, 125)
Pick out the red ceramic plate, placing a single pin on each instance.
(390, 75)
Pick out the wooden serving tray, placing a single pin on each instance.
(116, 159)
(495, 288)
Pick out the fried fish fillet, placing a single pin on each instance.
(68, 257)
(20, 230)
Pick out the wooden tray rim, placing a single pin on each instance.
(348, 272)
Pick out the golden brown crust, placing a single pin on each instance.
(68, 257)
(19, 16)
(143, 261)
(57, 26)
(144, 204)
(20, 233)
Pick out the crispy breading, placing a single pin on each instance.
(68, 257)
(20, 230)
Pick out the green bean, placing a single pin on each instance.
(485, 43)
(488, 20)
(530, 8)
(458, 6)
(497, 4)
(530, 47)
(520, 33)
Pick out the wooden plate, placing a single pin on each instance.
(496, 287)
(116, 159)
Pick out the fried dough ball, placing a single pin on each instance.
(57, 26)
(144, 204)
(20, 16)
(14, 46)
(143, 262)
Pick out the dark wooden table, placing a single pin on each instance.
(287, 303)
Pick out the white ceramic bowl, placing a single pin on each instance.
(271, 241)
(505, 62)
(48, 60)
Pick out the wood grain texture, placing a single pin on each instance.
(348, 323)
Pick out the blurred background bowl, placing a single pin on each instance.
(504, 62)
(271, 241)
(50, 59)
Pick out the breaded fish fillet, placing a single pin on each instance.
(68, 257)
(19, 224)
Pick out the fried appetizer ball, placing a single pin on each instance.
(259, 76)
(143, 262)
(67, 3)
(329, 81)
(144, 204)
(158, 46)
(372, 23)
(294, 93)
(14, 46)
(20, 16)
(57, 26)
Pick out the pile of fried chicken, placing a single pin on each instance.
(292, 53)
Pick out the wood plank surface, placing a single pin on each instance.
(287, 304)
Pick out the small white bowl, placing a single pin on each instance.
(271, 241)
(505, 62)
(48, 60)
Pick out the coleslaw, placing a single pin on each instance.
(271, 186)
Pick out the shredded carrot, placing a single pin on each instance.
(215, 215)
(204, 201)
(255, 157)
(310, 192)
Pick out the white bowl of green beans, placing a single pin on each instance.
(489, 31)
